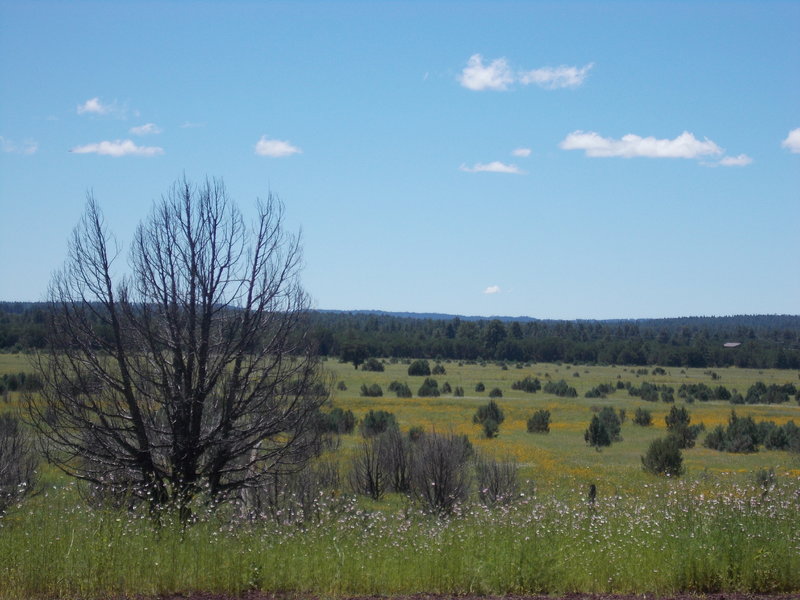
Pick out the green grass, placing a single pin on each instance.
(671, 537)
(712, 530)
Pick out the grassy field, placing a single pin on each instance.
(561, 458)
(714, 529)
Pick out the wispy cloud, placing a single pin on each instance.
(146, 129)
(735, 161)
(553, 78)
(27, 147)
(792, 141)
(275, 148)
(95, 106)
(499, 76)
(521, 152)
(190, 125)
(492, 289)
(630, 146)
(492, 167)
(118, 148)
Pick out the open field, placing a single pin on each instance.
(562, 457)
(713, 530)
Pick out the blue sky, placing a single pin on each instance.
(556, 160)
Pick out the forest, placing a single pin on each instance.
(747, 341)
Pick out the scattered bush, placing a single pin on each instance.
(429, 388)
(560, 388)
(376, 422)
(371, 391)
(419, 368)
(612, 423)
(678, 427)
(400, 389)
(664, 457)
(337, 421)
(496, 393)
(489, 416)
(528, 384)
(600, 391)
(341, 386)
(479, 387)
(438, 369)
(446, 389)
(372, 364)
(643, 417)
(596, 435)
(539, 422)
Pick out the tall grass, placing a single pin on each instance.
(674, 536)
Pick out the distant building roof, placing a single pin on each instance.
(732, 344)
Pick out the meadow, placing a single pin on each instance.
(715, 529)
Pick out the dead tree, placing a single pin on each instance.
(191, 374)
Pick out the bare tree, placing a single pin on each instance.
(194, 373)
(440, 474)
(497, 480)
(17, 463)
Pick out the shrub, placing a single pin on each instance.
(337, 421)
(479, 387)
(528, 384)
(438, 369)
(497, 481)
(458, 392)
(400, 389)
(600, 391)
(496, 393)
(429, 388)
(678, 426)
(643, 417)
(664, 457)
(612, 423)
(419, 368)
(490, 416)
(440, 477)
(415, 433)
(371, 391)
(341, 386)
(372, 364)
(377, 421)
(539, 422)
(596, 435)
(446, 389)
(560, 388)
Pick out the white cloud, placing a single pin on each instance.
(27, 147)
(736, 161)
(275, 148)
(95, 106)
(492, 167)
(146, 129)
(492, 289)
(496, 76)
(190, 125)
(629, 146)
(521, 152)
(118, 148)
(792, 141)
(555, 78)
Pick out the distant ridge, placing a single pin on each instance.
(791, 321)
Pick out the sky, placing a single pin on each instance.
(562, 160)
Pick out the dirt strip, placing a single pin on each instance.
(692, 596)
